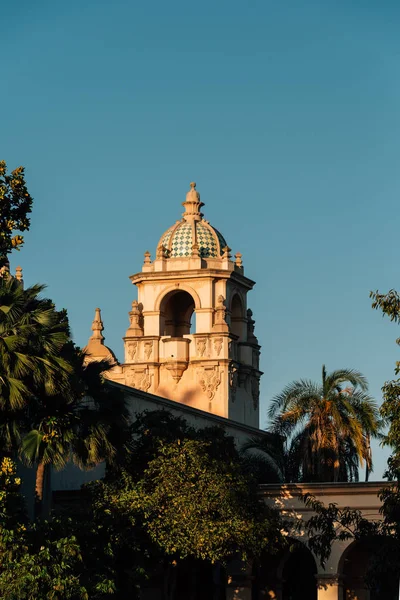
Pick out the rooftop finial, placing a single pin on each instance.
(97, 326)
(192, 204)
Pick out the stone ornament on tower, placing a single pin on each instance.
(250, 327)
(238, 261)
(135, 317)
(226, 253)
(96, 349)
(220, 323)
(192, 204)
(97, 327)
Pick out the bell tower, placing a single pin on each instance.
(191, 336)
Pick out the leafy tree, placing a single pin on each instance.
(389, 304)
(82, 422)
(33, 564)
(327, 426)
(32, 335)
(15, 206)
(269, 462)
(330, 523)
(190, 494)
(196, 505)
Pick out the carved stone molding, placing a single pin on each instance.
(256, 359)
(140, 380)
(131, 349)
(201, 346)
(233, 381)
(148, 349)
(255, 390)
(209, 380)
(218, 345)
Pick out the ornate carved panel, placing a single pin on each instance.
(255, 390)
(233, 381)
(131, 349)
(201, 346)
(209, 381)
(148, 349)
(218, 345)
(141, 379)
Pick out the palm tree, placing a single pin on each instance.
(327, 426)
(264, 457)
(32, 334)
(83, 424)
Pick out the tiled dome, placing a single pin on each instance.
(178, 240)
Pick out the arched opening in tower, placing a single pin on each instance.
(177, 314)
(237, 317)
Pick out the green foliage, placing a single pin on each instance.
(199, 506)
(180, 495)
(269, 463)
(389, 304)
(82, 422)
(47, 572)
(330, 523)
(15, 206)
(32, 564)
(327, 426)
(12, 509)
(32, 335)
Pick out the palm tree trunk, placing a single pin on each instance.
(368, 458)
(39, 489)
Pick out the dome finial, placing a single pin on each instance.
(97, 327)
(192, 204)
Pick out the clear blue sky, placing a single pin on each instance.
(285, 113)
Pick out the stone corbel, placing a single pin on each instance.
(176, 368)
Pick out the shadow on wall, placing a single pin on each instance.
(193, 397)
(356, 561)
(289, 575)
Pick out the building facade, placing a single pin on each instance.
(191, 349)
(191, 334)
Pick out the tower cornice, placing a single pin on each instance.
(212, 274)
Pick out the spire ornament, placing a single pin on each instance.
(97, 327)
(96, 349)
(192, 205)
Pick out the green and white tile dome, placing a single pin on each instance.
(178, 240)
